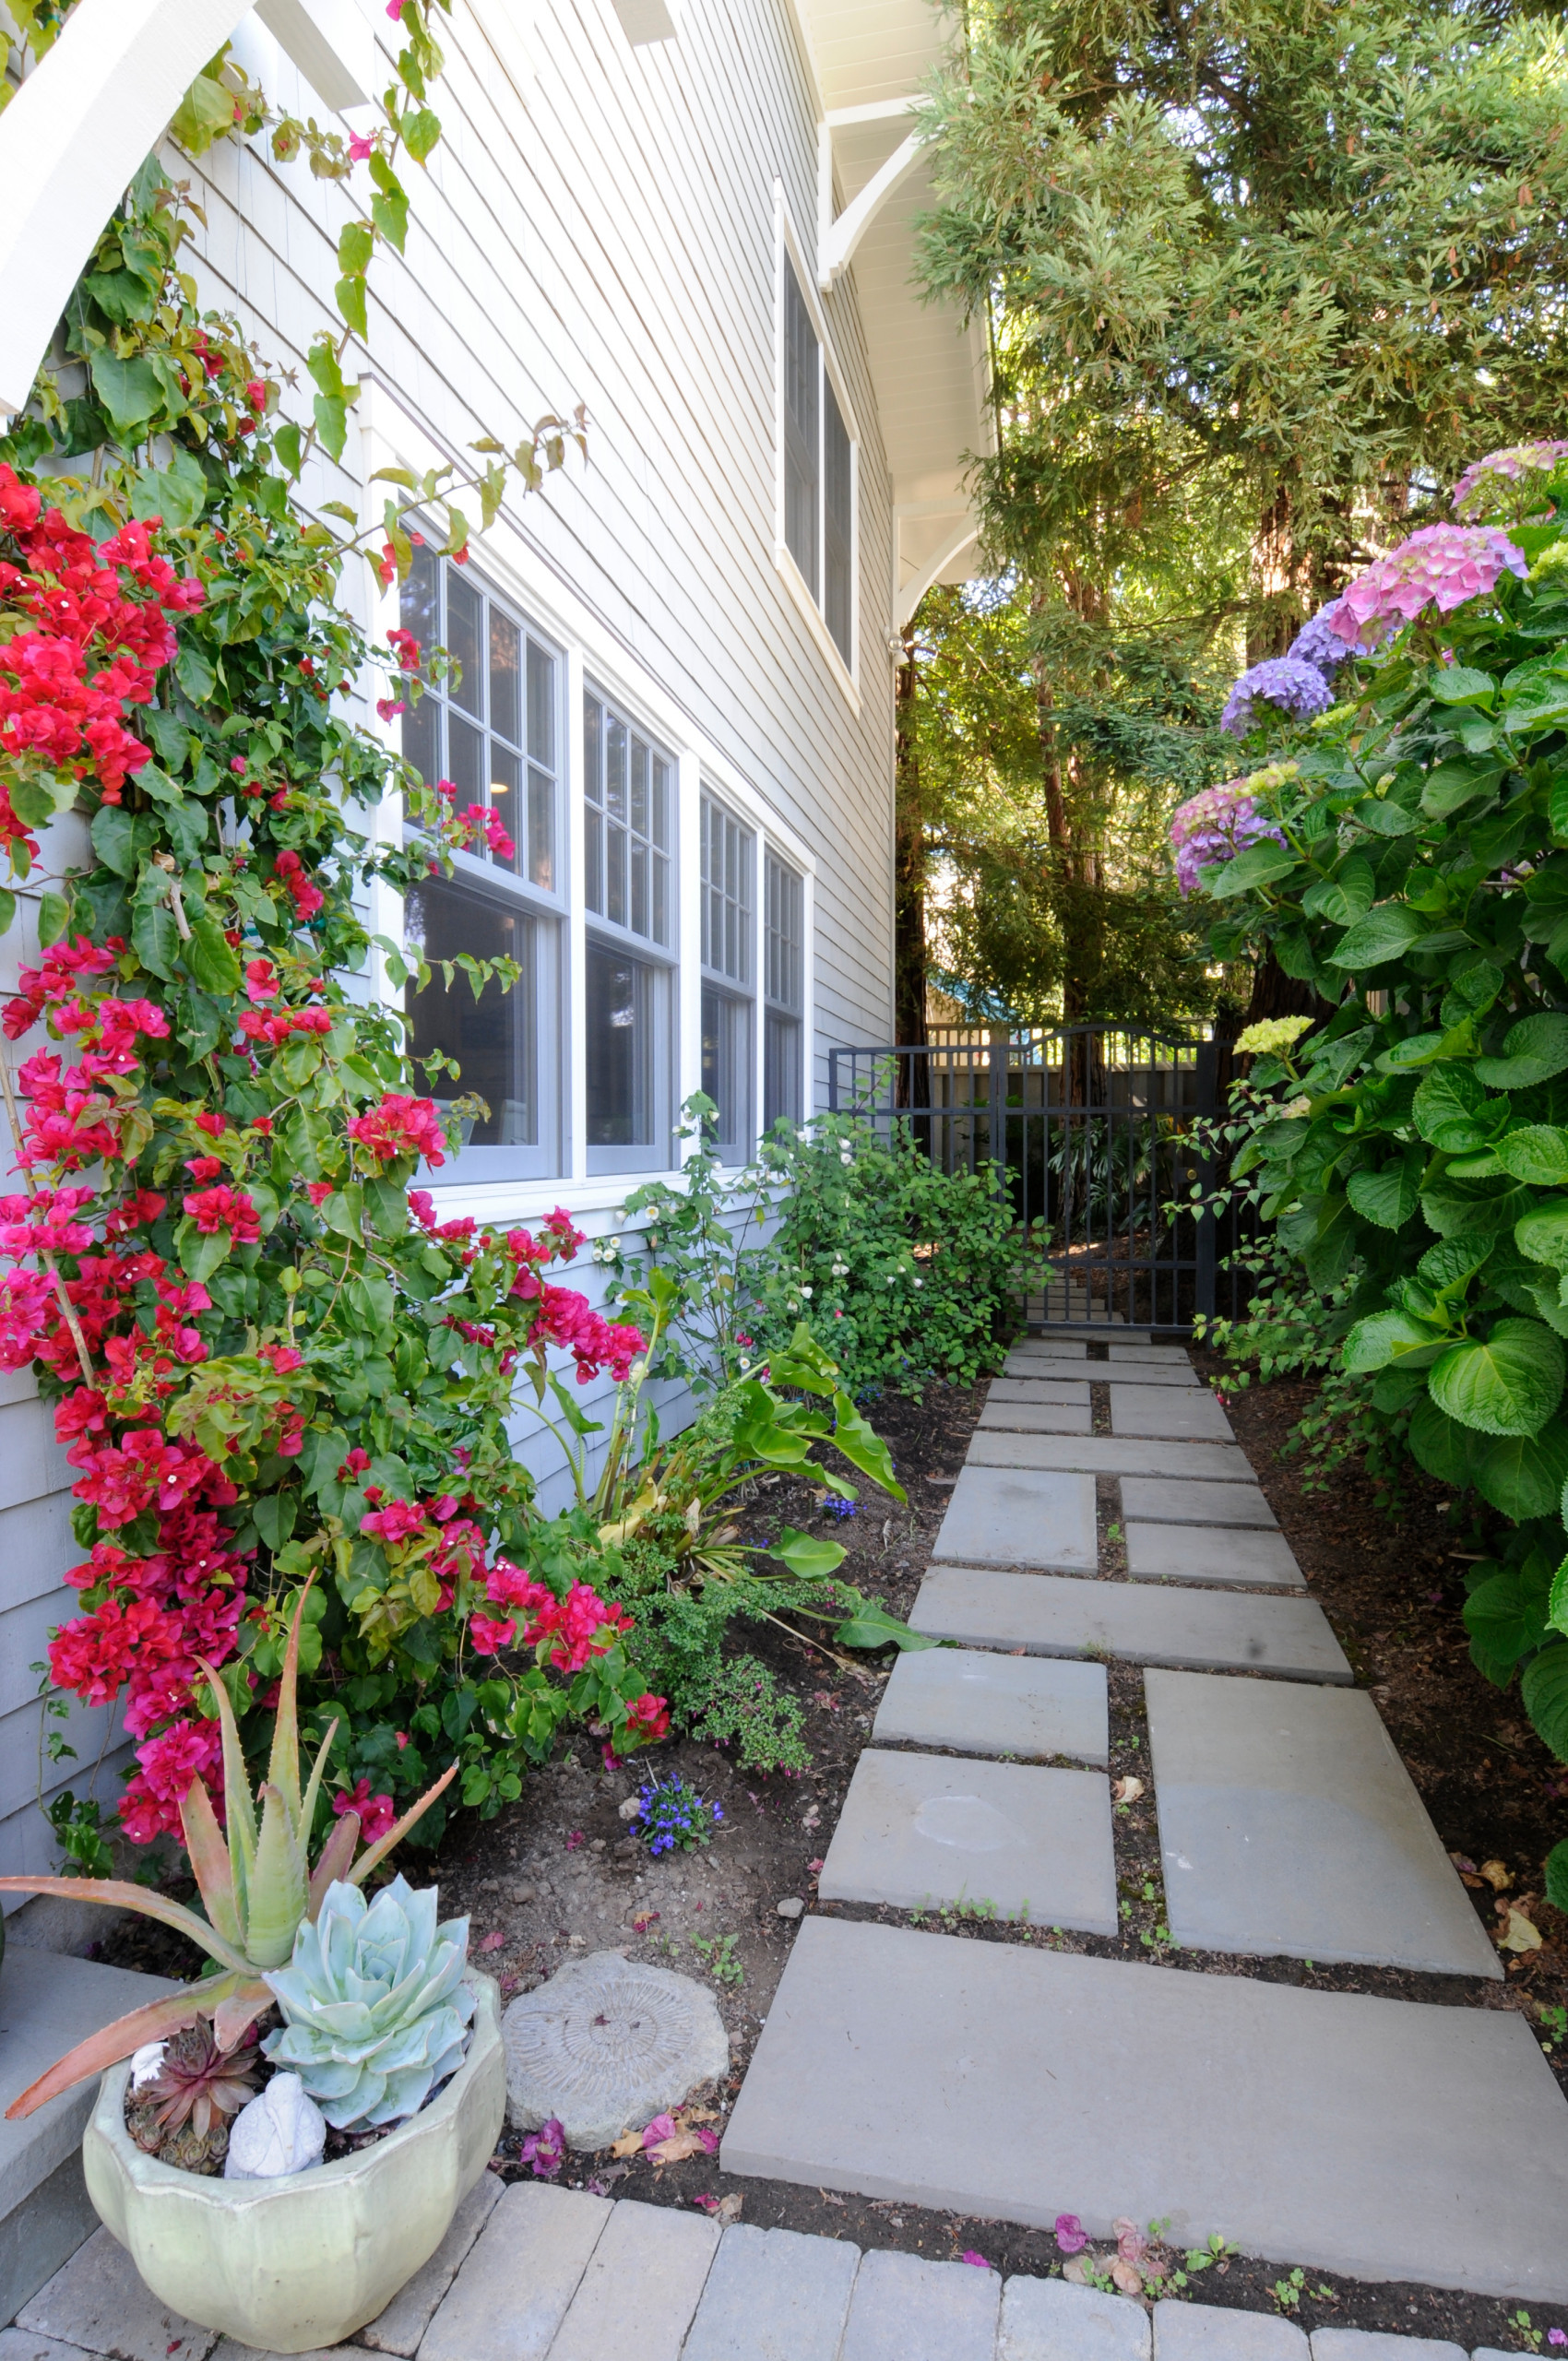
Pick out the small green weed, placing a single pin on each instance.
(1288, 2293)
(716, 1953)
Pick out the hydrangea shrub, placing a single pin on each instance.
(1409, 859)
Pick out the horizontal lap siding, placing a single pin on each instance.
(598, 225)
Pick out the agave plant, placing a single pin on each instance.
(255, 1882)
(374, 2008)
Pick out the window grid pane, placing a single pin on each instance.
(726, 894)
(837, 523)
(627, 793)
(783, 913)
(470, 730)
(803, 431)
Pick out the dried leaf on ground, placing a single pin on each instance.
(1125, 2276)
(630, 2144)
(1516, 1933)
(1128, 1790)
(698, 2141)
(1498, 1875)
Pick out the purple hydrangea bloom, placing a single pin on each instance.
(1482, 486)
(1217, 826)
(1318, 644)
(1442, 565)
(1285, 681)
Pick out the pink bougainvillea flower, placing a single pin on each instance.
(261, 979)
(979, 2260)
(662, 2128)
(1071, 2236)
(376, 1812)
(545, 2149)
(574, 1840)
(362, 147)
(1441, 566)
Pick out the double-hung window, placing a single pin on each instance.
(784, 992)
(819, 471)
(728, 960)
(629, 896)
(491, 732)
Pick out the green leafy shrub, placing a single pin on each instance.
(1407, 854)
(903, 1272)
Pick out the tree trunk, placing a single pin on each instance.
(909, 889)
(1276, 618)
(1277, 994)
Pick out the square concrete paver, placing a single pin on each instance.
(983, 1703)
(1002, 1517)
(1287, 1823)
(512, 2293)
(641, 2285)
(1065, 1348)
(1215, 2333)
(1013, 1838)
(1206, 1553)
(1049, 1615)
(1196, 1463)
(1385, 2139)
(99, 2300)
(773, 2296)
(1173, 1500)
(1037, 1417)
(1367, 2344)
(904, 2308)
(1045, 2319)
(399, 2328)
(1190, 1413)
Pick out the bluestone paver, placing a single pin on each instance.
(919, 1829)
(1368, 2344)
(1197, 1462)
(772, 2296)
(511, 2296)
(1188, 1413)
(1007, 1517)
(1287, 1823)
(1385, 2139)
(1040, 1349)
(1066, 1388)
(1206, 1553)
(1173, 1500)
(641, 2286)
(904, 2308)
(984, 1704)
(1046, 2319)
(1144, 1348)
(99, 2300)
(399, 2328)
(23, 2344)
(1037, 1417)
(1215, 2333)
(1052, 1615)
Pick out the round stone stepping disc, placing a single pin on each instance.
(607, 2044)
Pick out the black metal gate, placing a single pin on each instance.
(1086, 1127)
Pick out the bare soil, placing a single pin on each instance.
(557, 1874)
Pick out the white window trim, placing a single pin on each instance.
(391, 435)
(787, 243)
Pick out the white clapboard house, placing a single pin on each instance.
(695, 217)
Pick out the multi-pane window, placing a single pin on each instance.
(819, 471)
(493, 730)
(783, 991)
(728, 856)
(491, 727)
(629, 849)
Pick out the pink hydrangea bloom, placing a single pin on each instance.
(1480, 489)
(1442, 565)
(1215, 826)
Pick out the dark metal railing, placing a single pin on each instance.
(1088, 1128)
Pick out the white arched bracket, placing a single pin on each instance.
(953, 544)
(836, 239)
(75, 135)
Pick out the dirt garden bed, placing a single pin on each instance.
(558, 1874)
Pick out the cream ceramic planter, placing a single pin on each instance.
(293, 2264)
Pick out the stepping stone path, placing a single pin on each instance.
(980, 1703)
(1388, 2138)
(1003, 1840)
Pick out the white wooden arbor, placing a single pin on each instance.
(73, 137)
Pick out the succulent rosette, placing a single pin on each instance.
(375, 2013)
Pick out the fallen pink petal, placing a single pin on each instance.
(491, 1942)
(977, 2260)
(1071, 2236)
(662, 2128)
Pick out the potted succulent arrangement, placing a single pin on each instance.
(222, 2190)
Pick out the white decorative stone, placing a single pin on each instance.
(281, 2132)
(607, 2044)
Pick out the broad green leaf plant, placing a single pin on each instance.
(1406, 852)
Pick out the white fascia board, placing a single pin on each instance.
(72, 140)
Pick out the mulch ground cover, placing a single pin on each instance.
(558, 1874)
